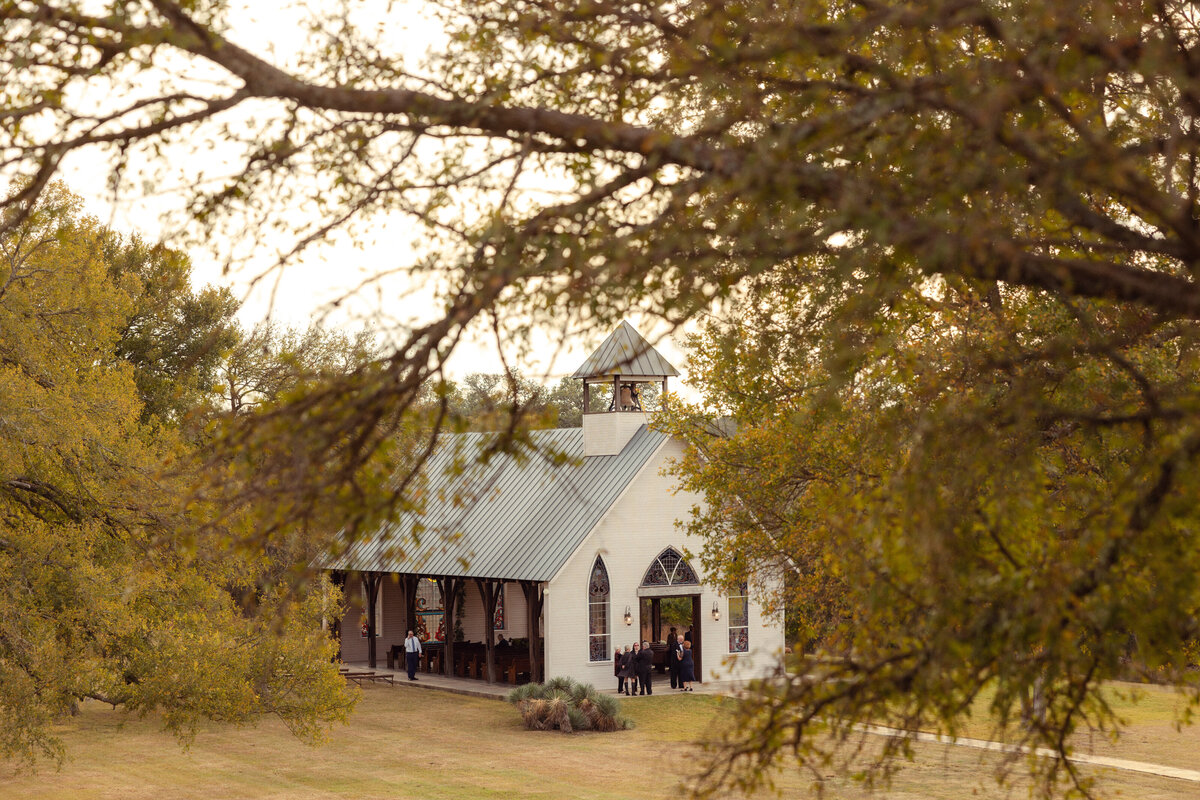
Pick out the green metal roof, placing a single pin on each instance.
(518, 517)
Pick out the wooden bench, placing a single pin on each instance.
(359, 677)
(468, 658)
(514, 667)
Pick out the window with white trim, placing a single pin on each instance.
(739, 621)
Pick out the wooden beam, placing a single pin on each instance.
(408, 585)
(371, 583)
(451, 588)
(533, 609)
(489, 591)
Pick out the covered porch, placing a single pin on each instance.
(477, 628)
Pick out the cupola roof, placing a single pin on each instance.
(627, 354)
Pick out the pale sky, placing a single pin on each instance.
(306, 290)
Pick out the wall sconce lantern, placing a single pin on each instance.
(628, 616)
(716, 612)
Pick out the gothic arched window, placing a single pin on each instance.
(669, 569)
(598, 633)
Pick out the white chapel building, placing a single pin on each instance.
(552, 557)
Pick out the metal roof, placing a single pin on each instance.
(627, 354)
(518, 517)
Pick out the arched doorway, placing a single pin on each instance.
(671, 588)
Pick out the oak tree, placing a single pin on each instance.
(1028, 169)
(111, 590)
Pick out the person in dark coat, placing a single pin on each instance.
(644, 666)
(637, 675)
(626, 673)
(673, 650)
(617, 670)
(687, 668)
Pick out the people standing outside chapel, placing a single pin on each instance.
(644, 666)
(687, 668)
(617, 671)
(626, 672)
(412, 652)
(633, 666)
(674, 648)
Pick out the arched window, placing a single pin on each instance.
(598, 633)
(669, 569)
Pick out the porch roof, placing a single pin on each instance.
(518, 517)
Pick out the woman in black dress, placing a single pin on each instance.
(626, 673)
(687, 668)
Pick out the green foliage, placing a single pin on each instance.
(108, 592)
(676, 612)
(566, 705)
(174, 336)
(949, 509)
(966, 233)
(266, 364)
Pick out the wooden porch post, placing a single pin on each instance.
(533, 611)
(371, 583)
(656, 618)
(408, 584)
(489, 590)
(451, 588)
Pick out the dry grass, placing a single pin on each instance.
(409, 743)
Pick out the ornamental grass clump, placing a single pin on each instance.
(568, 706)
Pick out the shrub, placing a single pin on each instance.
(566, 705)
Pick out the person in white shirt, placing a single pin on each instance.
(412, 651)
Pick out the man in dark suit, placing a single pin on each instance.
(645, 668)
(673, 648)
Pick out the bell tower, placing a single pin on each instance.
(626, 362)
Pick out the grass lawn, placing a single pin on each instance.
(410, 743)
